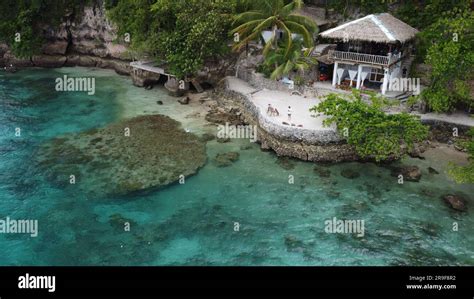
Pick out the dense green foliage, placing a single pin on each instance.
(182, 32)
(451, 56)
(365, 6)
(283, 60)
(279, 15)
(373, 133)
(282, 54)
(422, 14)
(465, 174)
(21, 22)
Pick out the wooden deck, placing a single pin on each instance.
(149, 66)
(364, 58)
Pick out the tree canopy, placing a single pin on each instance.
(285, 60)
(465, 174)
(181, 32)
(372, 132)
(279, 15)
(451, 56)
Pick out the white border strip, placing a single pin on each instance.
(382, 27)
(344, 25)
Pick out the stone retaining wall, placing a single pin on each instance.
(303, 144)
(258, 81)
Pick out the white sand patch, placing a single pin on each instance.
(301, 116)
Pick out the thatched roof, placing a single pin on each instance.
(379, 28)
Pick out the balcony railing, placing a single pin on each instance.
(364, 58)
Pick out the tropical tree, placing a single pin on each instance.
(280, 15)
(465, 174)
(451, 57)
(284, 60)
(184, 33)
(372, 132)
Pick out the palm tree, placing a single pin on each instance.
(285, 60)
(278, 15)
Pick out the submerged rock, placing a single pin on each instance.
(293, 244)
(455, 202)
(207, 137)
(349, 173)
(154, 153)
(322, 171)
(410, 173)
(222, 117)
(119, 222)
(184, 101)
(286, 163)
(226, 159)
(223, 140)
(432, 170)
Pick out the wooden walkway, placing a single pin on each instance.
(149, 66)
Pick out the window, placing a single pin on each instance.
(376, 75)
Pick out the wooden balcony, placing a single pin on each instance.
(385, 61)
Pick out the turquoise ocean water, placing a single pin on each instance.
(193, 224)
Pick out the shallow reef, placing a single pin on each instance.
(131, 155)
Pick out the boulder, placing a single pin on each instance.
(286, 163)
(81, 60)
(455, 202)
(144, 78)
(349, 173)
(184, 101)
(10, 59)
(49, 61)
(245, 147)
(226, 159)
(323, 172)
(223, 140)
(222, 117)
(432, 170)
(55, 48)
(410, 173)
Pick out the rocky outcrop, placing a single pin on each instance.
(49, 61)
(288, 142)
(89, 33)
(349, 174)
(409, 173)
(220, 116)
(142, 78)
(226, 159)
(87, 39)
(132, 155)
(455, 202)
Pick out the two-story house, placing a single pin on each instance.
(371, 51)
